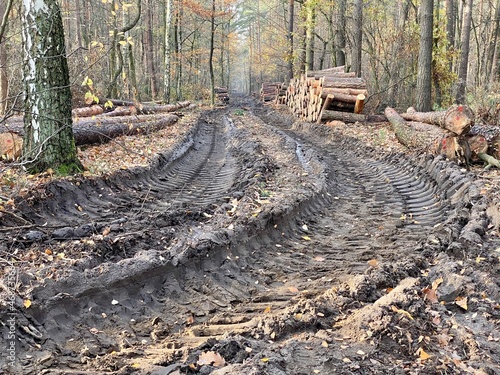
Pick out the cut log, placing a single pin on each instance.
(349, 83)
(360, 103)
(457, 119)
(477, 144)
(101, 129)
(11, 145)
(418, 135)
(347, 117)
(146, 109)
(93, 110)
(335, 90)
(325, 105)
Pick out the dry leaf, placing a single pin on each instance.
(462, 302)
(324, 344)
(48, 251)
(265, 359)
(319, 259)
(373, 263)
(431, 295)
(106, 231)
(267, 310)
(307, 238)
(400, 311)
(212, 359)
(422, 354)
(436, 283)
(27, 303)
(293, 290)
(190, 320)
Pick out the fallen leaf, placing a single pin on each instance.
(319, 259)
(436, 283)
(324, 344)
(422, 354)
(267, 310)
(106, 231)
(304, 227)
(431, 295)
(373, 263)
(114, 302)
(27, 303)
(265, 359)
(480, 259)
(298, 316)
(307, 238)
(293, 290)
(400, 311)
(48, 251)
(212, 359)
(461, 302)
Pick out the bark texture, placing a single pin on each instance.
(49, 141)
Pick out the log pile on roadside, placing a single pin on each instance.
(272, 92)
(326, 95)
(451, 133)
(222, 94)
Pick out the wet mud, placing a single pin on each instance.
(258, 245)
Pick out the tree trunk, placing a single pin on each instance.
(310, 25)
(340, 33)
(4, 82)
(328, 115)
(291, 4)
(151, 69)
(424, 74)
(358, 37)
(48, 142)
(211, 55)
(167, 51)
(457, 119)
(464, 53)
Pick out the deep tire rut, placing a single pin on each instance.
(204, 269)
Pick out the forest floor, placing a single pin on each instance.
(241, 241)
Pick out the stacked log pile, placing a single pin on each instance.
(451, 133)
(222, 94)
(271, 91)
(326, 95)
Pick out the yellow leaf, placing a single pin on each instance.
(462, 302)
(267, 310)
(422, 354)
(436, 283)
(400, 311)
(136, 365)
(27, 303)
(307, 238)
(324, 344)
(265, 359)
(480, 259)
(298, 316)
(122, 42)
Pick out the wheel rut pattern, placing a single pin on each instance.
(198, 177)
(355, 206)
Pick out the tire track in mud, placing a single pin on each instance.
(360, 207)
(200, 174)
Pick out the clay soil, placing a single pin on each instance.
(251, 243)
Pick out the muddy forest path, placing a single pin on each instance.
(254, 246)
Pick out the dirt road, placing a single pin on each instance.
(258, 245)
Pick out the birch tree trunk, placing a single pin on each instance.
(166, 74)
(48, 141)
